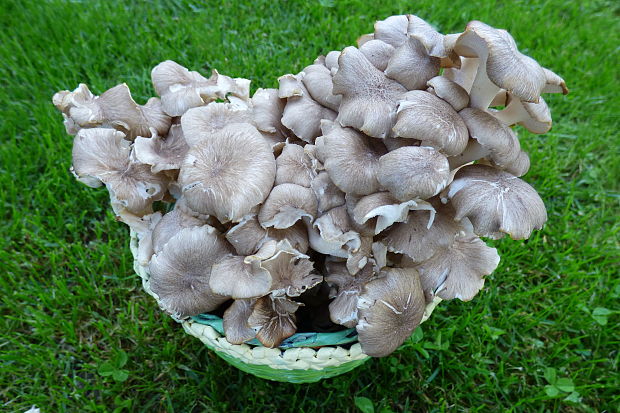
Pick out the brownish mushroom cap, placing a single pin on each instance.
(496, 202)
(171, 224)
(228, 174)
(236, 322)
(273, 319)
(390, 308)
(303, 115)
(180, 272)
(318, 82)
(377, 52)
(369, 98)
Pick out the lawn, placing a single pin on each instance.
(541, 336)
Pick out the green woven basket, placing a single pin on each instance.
(302, 358)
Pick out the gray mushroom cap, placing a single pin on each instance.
(327, 193)
(385, 210)
(103, 156)
(171, 224)
(413, 172)
(287, 204)
(273, 319)
(294, 166)
(163, 154)
(318, 82)
(431, 120)
(457, 270)
(343, 309)
(201, 122)
(496, 202)
(351, 160)
(502, 66)
(228, 174)
(390, 308)
(267, 110)
(411, 65)
(497, 141)
(422, 235)
(369, 98)
(180, 272)
(377, 52)
(115, 108)
(236, 322)
(449, 91)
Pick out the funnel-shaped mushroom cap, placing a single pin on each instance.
(102, 155)
(294, 166)
(413, 172)
(236, 322)
(162, 154)
(303, 115)
(229, 173)
(267, 110)
(273, 319)
(180, 272)
(286, 204)
(466, 74)
(534, 117)
(291, 271)
(318, 82)
(200, 123)
(351, 160)
(377, 52)
(237, 277)
(496, 202)
(555, 84)
(343, 309)
(431, 120)
(395, 30)
(501, 63)
(498, 142)
(181, 89)
(423, 234)
(369, 98)
(411, 65)
(450, 91)
(115, 108)
(296, 235)
(171, 224)
(335, 229)
(390, 308)
(458, 270)
(386, 210)
(290, 85)
(247, 236)
(327, 193)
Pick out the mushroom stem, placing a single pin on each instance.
(512, 114)
(482, 90)
(472, 152)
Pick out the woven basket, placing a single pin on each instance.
(302, 358)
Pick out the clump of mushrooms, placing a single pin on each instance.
(370, 177)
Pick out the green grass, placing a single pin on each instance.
(70, 302)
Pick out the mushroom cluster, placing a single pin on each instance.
(357, 191)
